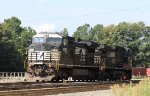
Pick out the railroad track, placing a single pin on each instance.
(38, 89)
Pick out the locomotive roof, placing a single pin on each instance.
(53, 35)
(89, 43)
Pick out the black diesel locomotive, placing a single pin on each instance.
(77, 60)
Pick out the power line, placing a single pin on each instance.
(92, 14)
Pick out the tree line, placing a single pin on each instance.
(14, 39)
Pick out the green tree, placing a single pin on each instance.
(105, 36)
(144, 49)
(97, 32)
(13, 42)
(64, 32)
(82, 32)
(86, 32)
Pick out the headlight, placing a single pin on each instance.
(31, 50)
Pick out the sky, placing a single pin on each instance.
(55, 15)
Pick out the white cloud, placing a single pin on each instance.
(44, 28)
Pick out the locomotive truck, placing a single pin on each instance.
(52, 57)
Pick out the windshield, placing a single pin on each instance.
(53, 40)
(38, 40)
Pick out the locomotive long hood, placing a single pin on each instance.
(90, 44)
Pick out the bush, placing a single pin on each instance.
(140, 89)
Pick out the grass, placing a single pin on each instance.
(140, 89)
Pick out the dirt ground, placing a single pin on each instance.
(88, 93)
